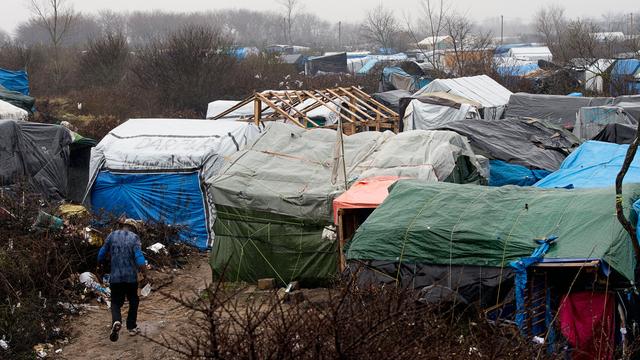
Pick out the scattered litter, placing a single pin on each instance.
(41, 350)
(4, 345)
(146, 290)
(157, 247)
(538, 340)
(91, 281)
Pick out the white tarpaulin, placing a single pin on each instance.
(12, 112)
(219, 106)
(171, 144)
(492, 96)
(424, 116)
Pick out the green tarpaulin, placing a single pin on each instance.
(250, 245)
(441, 223)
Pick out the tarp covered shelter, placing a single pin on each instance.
(336, 63)
(625, 77)
(558, 109)
(35, 152)
(492, 96)
(391, 99)
(518, 149)
(274, 199)
(10, 111)
(592, 120)
(453, 226)
(430, 111)
(594, 164)
(18, 99)
(155, 169)
(531, 143)
(531, 53)
(15, 80)
(365, 193)
(617, 134)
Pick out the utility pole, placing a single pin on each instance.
(501, 29)
(340, 34)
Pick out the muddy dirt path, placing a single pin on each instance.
(156, 315)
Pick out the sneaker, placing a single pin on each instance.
(134, 332)
(115, 328)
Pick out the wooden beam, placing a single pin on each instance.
(304, 116)
(323, 103)
(372, 100)
(279, 110)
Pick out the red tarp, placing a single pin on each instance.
(367, 193)
(586, 321)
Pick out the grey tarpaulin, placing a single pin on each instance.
(557, 109)
(391, 99)
(37, 152)
(430, 112)
(531, 143)
(287, 171)
(592, 120)
(617, 134)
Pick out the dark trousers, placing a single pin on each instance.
(118, 292)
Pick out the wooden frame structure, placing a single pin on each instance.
(357, 110)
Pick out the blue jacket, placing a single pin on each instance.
(126, 256)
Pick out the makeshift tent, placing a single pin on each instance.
(558, 109)
(625, 77)
(395, 78)
(219, 106)
(592, 120)
(593, 164)
(517, 68)
(477, 226)
(429, 111)
(492, 96)
(617, 134)
(364, 194)
(531, 143)
(294, 60)
(593, 80)
(154, 169)
(15, 80)
(17, 99)
(391, 99)
(531, 53)
(274, 199)
(9, 111)
(35, 152)
(326, 64)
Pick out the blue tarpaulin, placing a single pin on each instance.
(517, 70)
(594, 164)
(15, 80)
(173, 198)
(502, 173)
(367, 66)
(622, 77)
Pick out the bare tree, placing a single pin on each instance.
(469, 53)
(552, 25)
(435, 14)
(290, 8)
(380, 27)
(57, 18)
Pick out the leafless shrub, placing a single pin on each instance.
(341, 323)
(105, 61)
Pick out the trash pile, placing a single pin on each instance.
(48, 258)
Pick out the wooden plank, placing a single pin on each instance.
(279, 110)
(352, 102)
(592, 263)
(304, 116)
(339, 106)
(234, 108)
(373, 101)
(323, 103)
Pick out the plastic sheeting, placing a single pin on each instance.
(9, 111)
(391, 99)
(367, 193)
(592, 120)
(16, 98)
(453, 224)
(37, 152)
(274, 199)
(558, 109)
(617, 134)
(173, 198)
(594, 164)
(169, 146)
(530, 143)
(429, 113)
(482, 89)
(15, 80)
(586, 319)
(219, 106)
(503, 173)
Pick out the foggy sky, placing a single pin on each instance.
(15, 11)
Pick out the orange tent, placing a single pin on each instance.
(367, 193)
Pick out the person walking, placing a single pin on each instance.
(124, 247)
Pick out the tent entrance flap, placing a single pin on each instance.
(174, 198)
